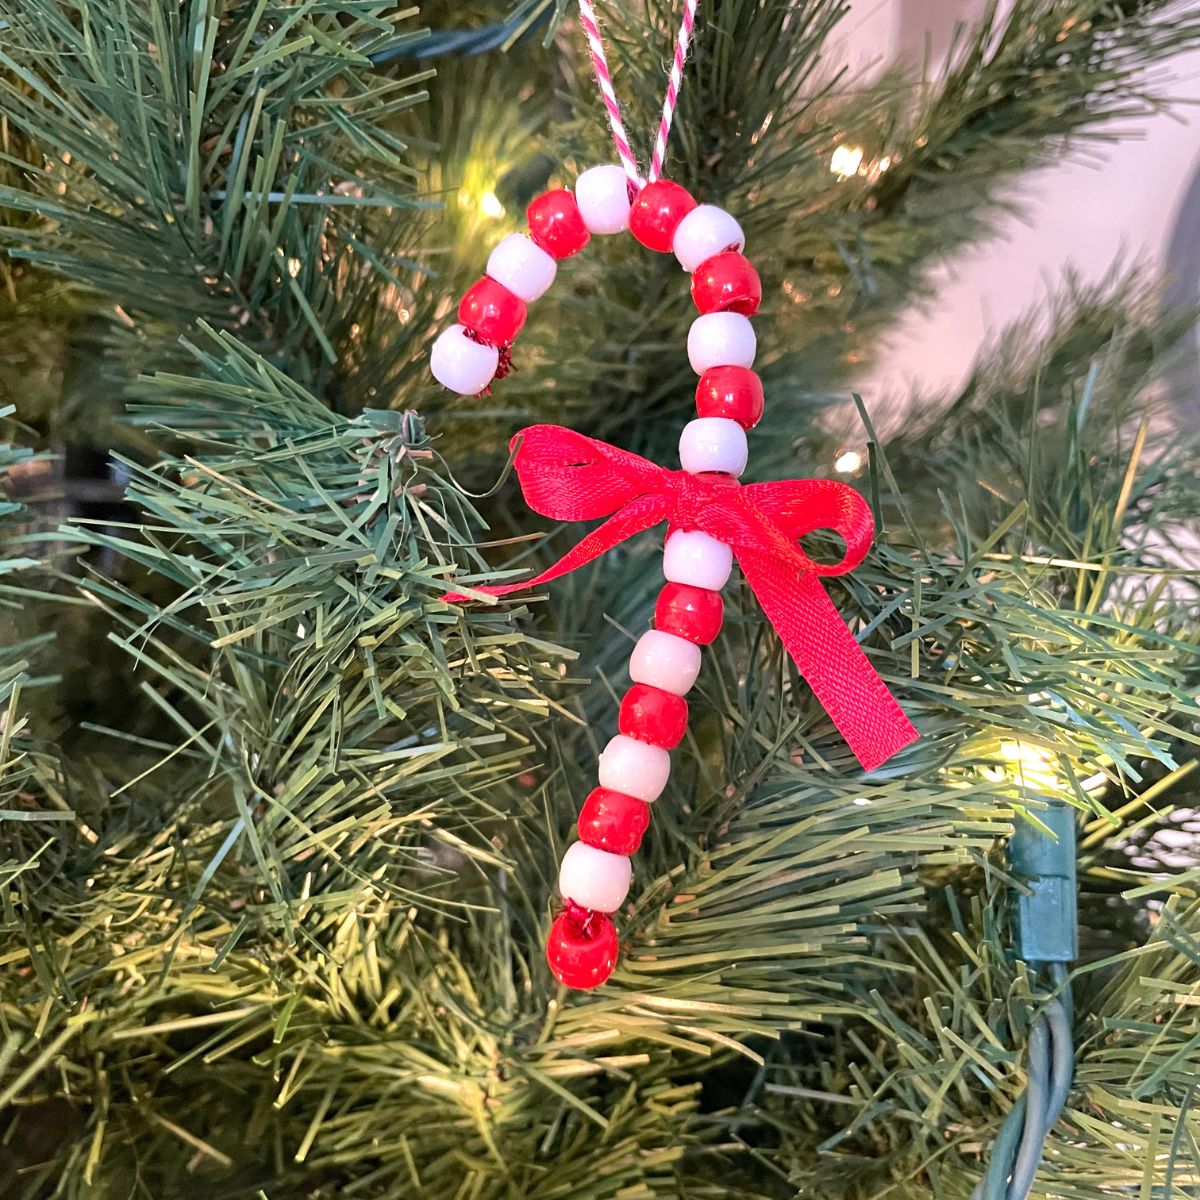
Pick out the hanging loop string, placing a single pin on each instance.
(587, 18)
(674, 82)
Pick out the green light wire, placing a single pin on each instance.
(1022, 1137)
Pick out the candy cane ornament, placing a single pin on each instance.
(712, 518)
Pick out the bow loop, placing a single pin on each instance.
(569, 477)
(802, 506)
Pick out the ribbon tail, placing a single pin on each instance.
(639, 514)
(831, 661)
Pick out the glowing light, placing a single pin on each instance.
(1035, 770)
(1032, 766)
(846, 160)
(293, 266)
(487, 202)
(1038, 770)
(848, 462)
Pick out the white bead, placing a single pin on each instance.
(594, 878)
(720, 339)
(461, 364)
(713, 444)
(694, 558)
(522, 266)
(635, 768)
(665, 661)
(705, 231)
(602, 194)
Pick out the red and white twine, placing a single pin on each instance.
(587, 18)
(675, 80)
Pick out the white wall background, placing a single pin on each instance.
(1081, 215)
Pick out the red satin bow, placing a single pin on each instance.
(569, 477)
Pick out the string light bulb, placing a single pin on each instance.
(846, 160)
(1038, 771)
(1031, 766)
(847, 462)
(849, 160)
(483, 201)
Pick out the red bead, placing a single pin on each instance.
(733, 392)
(656, 213)
(556, 224)
(613, 821)
(652, 715)
(727, 282)
(689, 612)
(491, 312)
(582, 948)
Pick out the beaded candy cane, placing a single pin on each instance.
(568, 476)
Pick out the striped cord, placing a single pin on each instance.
(674, 81)
(587, 18)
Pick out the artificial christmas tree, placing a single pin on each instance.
(281, 824)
